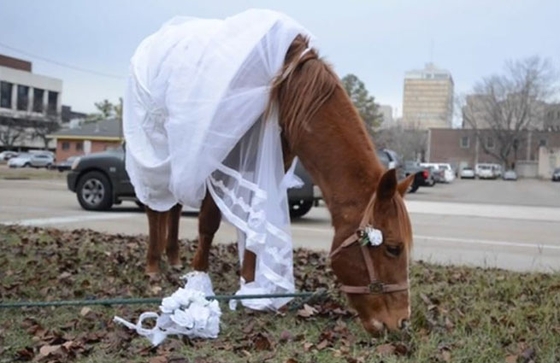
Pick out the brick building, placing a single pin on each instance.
(462, 147)
(89, 138)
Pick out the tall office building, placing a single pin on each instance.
(428, 98)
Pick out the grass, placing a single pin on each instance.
(30, 173)
(459, 314)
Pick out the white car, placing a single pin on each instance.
(448, 173)
(485, 171)
(446, 170)
(467, 173)
(7, 155)
(510, 175)
(35, 160)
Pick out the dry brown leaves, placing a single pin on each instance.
(57, 263)
(82, 264)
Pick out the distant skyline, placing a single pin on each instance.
(379, 41)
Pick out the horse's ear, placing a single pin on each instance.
(405, 184)
(387, 185)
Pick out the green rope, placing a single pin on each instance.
(131, 301)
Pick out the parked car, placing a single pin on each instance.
(100, 180)
(437, 174)
(7, 155)
(391, 159)
(65, 164)
(302, 199)
(484, 171)
(556, 174)
(36, 160)
(510, 175)
(43, 152)
(446, 173)
(497, 170)
(467, 173)
(424, 176)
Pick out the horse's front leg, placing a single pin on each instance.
(208, 223)
(157, 225)
(172, 249)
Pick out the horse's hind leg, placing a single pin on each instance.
(208, 223)
(157, 225)
(172, 249)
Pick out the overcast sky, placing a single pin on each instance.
(376, 40)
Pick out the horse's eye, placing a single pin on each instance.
(394, 251)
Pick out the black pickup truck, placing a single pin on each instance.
(424, 175)
(100, 181)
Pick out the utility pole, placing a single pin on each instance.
(120, 119)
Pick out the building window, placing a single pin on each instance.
(65, 145)
(489, 142)
(79, 146)
(465, 144)
(6, 94)
(38, 99)
(542, 142)
(52, 103)
(22, 98)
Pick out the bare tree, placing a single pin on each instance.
(42, 130)
(411, 142)
(11, 131)
(506, 105)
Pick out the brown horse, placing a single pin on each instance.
(321, 126)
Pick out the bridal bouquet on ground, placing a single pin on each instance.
(186, 312)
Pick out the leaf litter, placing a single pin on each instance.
(459, 314)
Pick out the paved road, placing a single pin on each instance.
(513, 225)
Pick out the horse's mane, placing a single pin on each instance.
(304, 84)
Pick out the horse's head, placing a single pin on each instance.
(374, 274)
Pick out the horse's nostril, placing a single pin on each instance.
(404, 324)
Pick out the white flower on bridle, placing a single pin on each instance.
(371, 236)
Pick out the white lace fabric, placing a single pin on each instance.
(193, 123)
(185, 312)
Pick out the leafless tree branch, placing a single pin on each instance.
(506, 105)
